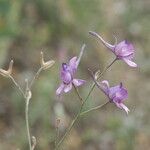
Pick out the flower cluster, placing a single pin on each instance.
(116, 94)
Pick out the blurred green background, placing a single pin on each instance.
(59, 28)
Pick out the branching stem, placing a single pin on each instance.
(94, 108)
(17, 85)
(35, 77)
(82, 105)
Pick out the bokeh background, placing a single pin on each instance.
(59, 28)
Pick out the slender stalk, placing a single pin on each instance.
(94, 108)
(83, 102)
(17, 85)
(28, 97)
(55, 141)
(57, 135)
(70, 127)
(35, 77)
(101, 74)
(77, 92)
(27, 122)
(74, 120)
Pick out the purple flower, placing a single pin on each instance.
(123, 50)
(116, 94)
(67, 74)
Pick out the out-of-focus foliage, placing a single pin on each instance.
(59, 28)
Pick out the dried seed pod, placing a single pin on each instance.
(7, 73)
(47, 64)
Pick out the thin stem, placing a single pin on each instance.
(27, 122)
(27, 97)
(72, 123)
(83, 102)
(57, 135)
(77, 92)
(35, 77)
(94, 108)
(17, 85)
(68, 129)
(101, 74)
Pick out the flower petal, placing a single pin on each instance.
(67, 88)
(78, 82)
(105, 86)
(66, 76)
(73, 65)
(101, 85)
(80, 55)
(113, 90)
(124, 49)
(122, 106)
(130, 63)
(60, 89)
(105, 83)
(121, 95)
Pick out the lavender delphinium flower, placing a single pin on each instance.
(123, 50)
(67, 74)
(116, 94)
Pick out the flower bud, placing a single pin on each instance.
(7, 73)
(46, 65)
(97, 74)
(33, 142)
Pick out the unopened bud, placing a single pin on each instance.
(97, 74)
(33, 142)
(46, 65)
(7, 73)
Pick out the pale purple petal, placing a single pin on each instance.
(123, 53)
(78, 82)
(105, 83)
(113, 90)
(73, 65)
(130, 63)
(105, 86)
(125, 44)
(80, 55)
(122, 106)
(66, 76)
(120, 96)
(60, 89)
(124, 49)
(67, 88)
